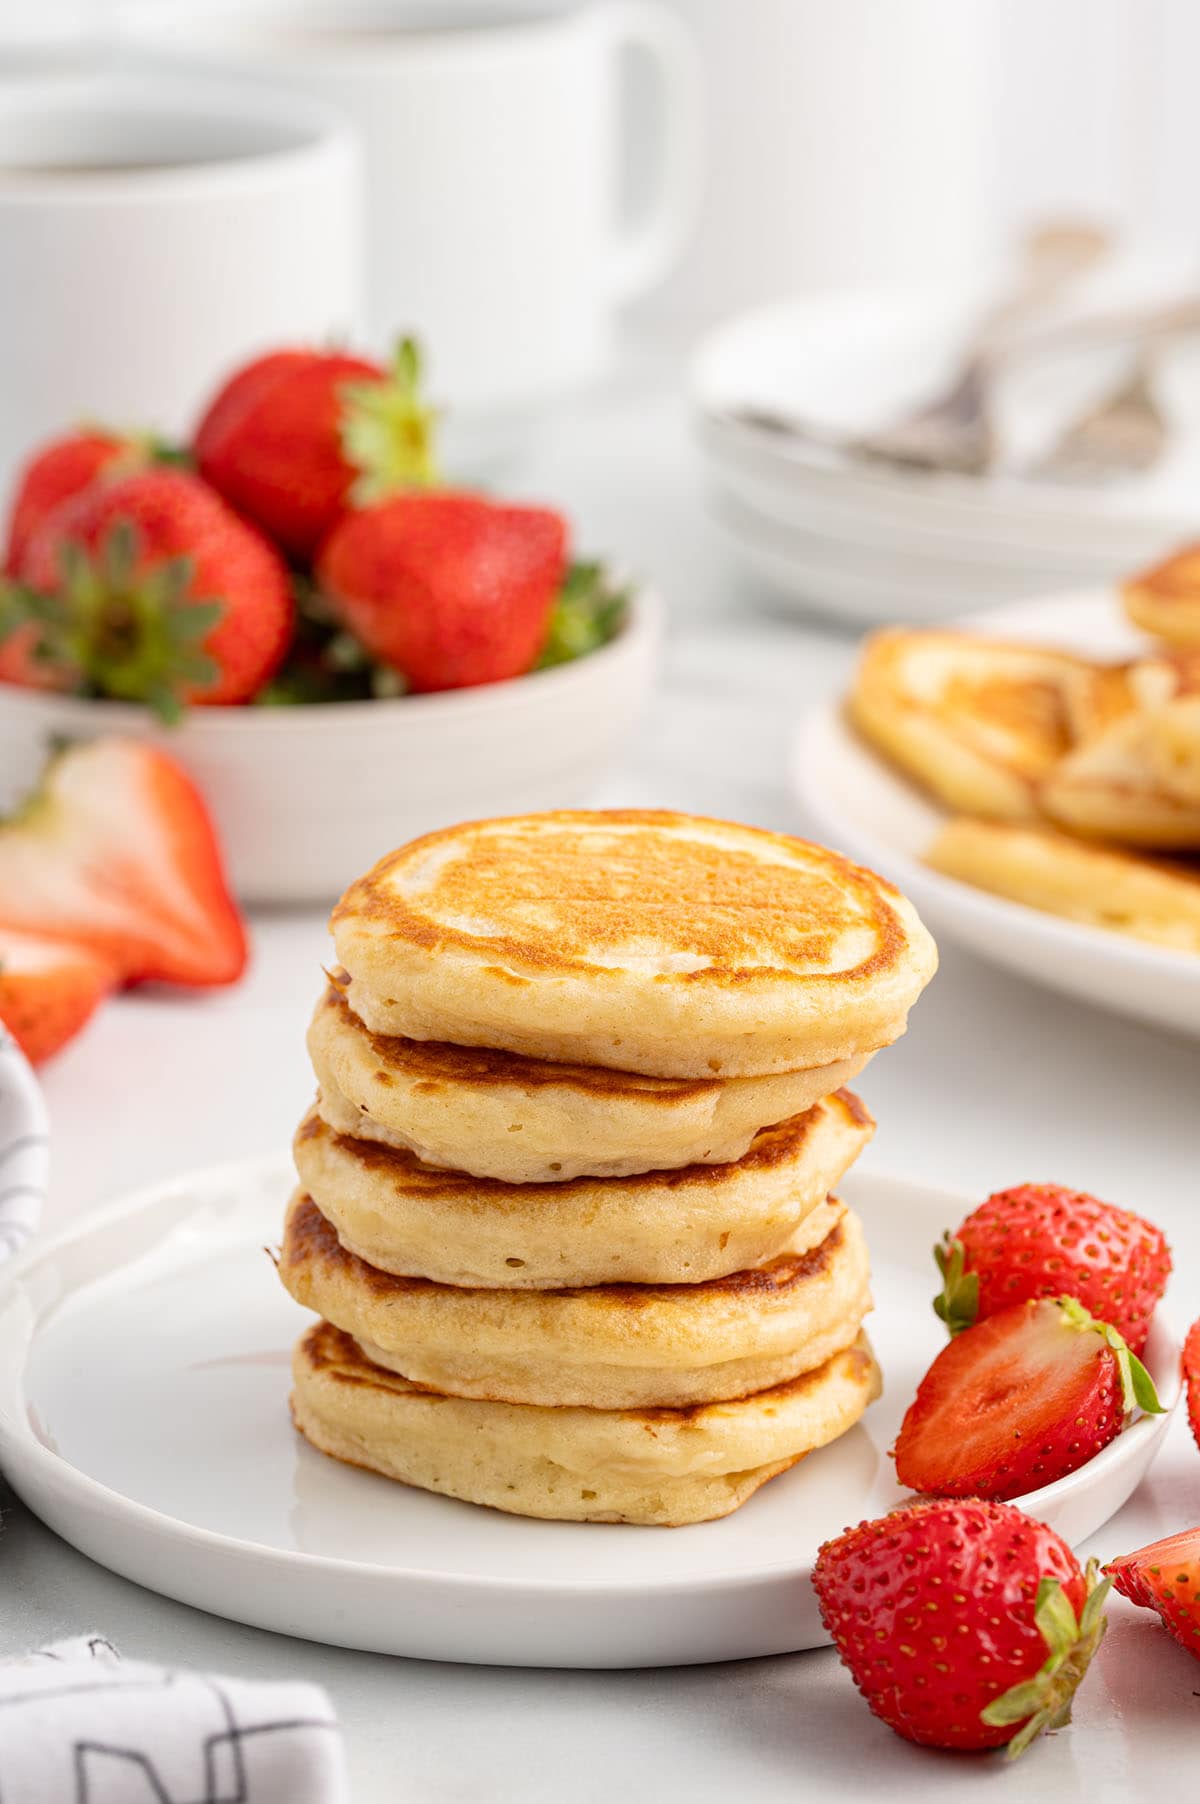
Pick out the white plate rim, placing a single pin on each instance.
(70, 1481)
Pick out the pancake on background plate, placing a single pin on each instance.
(1165, 600)
(979, 723)
(1154, 899)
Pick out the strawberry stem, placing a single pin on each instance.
(388, 431)
(1137, 1386)
(957, 1304)
(1044, 1702)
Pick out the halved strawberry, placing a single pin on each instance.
(116, 852)
(48, 990)
(1166, 1577)
(1191, 1378)
(1019, 1401)
(1043, 1240)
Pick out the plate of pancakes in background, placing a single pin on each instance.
(1031, 777)
(606, 1341)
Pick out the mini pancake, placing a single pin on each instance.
(642, 941)
(1165, 600)
(1149, 899)
(664, 1467)
(612, 1346)
(667, 1227)
(525, 1121)
(978, 723)
(1173, 733)
(1110, 788)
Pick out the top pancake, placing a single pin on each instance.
(642, 941)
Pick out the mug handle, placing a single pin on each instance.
(645, 250)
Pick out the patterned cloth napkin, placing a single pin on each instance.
(83, 1726)
(24, 1151)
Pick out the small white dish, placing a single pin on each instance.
(857, 802)
(143, 1416)
(305, 797)
(24, 1148)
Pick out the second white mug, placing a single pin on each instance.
(494, 167)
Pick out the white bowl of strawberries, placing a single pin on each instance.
(340, 650)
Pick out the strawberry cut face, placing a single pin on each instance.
(1166, 1577)
(1017, 1402)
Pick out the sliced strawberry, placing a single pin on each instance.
(48, 990)
(116, 852)
(1019, 1401)
(1043, 1240)
(1191, 1378)
(1166, 1577)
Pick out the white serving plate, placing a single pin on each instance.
(862, 806)
(303, 796)
(143, 1416)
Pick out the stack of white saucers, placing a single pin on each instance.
(869, 540)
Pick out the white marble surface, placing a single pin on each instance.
(995, 1083)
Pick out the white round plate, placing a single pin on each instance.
(861, 806)
(143, 1416)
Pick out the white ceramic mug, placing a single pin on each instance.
(494, 167)
(155, 234)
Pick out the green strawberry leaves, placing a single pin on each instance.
(1044, 1702)
(131, 634)
(388, 431)
(589, 610)
(1137, 1386)
(957, 1304)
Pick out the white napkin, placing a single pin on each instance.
(79, 1725)
(24, 1149)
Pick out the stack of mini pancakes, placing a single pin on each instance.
(566, 1198)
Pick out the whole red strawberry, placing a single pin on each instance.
(449, 589)
(52, 475)
(1191, 1378)
(293, 437)
(148, 588)
(1018, 1401)
(1166, 1577)
(964, 1625)
(1042, 1240)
